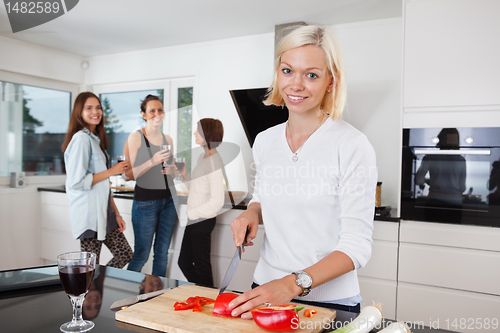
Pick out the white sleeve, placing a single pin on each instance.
(358, 180)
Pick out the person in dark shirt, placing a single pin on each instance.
(447, 174)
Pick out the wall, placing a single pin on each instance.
(25, 58)
(373, 61)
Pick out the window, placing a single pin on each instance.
(121, 107)
(122, 116)
(33, 123)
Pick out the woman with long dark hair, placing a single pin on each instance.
(95, 219)
(153, 212)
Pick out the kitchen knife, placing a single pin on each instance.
(233, 265)
(119, 305)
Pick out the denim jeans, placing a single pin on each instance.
(150, 218)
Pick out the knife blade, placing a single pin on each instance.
(119, 305)
(233, 265)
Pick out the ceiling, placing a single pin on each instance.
(99, 27)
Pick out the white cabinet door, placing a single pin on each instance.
(378, 279)
(56, 233)
(383, 263)
(451, 55)
(448, 267)
(379, 291)
(454, 310)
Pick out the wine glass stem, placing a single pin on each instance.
(77, 302)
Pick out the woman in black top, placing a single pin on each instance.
(153, 212)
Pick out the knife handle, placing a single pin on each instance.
(245, 239)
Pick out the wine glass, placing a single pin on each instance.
(122, 158)
(76, 271)
(179, 163)
(165, 163)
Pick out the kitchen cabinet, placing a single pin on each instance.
(455, 310)
(20, 228)
(378, 279)
(451, 52)
(456, 266)
(56, 236)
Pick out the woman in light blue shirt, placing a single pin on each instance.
(94, 216)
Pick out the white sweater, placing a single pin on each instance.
(323, 202)
(206, 188)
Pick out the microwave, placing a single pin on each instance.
(451, 175)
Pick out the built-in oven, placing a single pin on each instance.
(451, 175)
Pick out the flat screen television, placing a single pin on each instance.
(254, 115)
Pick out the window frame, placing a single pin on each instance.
(28, 80)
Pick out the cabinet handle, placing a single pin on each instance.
(485, 152)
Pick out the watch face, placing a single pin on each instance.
(304, 280)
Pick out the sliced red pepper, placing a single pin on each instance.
(221, 307)
(183, 306)
(282, 318)
(190, 300)
(197, 305)
(205, 300)
(309, 312)
(194, 303)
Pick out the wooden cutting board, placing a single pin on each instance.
(158, 314)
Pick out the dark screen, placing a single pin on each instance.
(254, 115)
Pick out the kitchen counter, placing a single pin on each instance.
(242, 203)
(32, 300)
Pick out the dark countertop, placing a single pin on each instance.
(390, 217)
(32, 300)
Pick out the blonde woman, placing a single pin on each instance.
(314, 187)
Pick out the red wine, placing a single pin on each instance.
(179, 165)
(76, 280)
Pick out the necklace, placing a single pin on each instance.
(295, 158)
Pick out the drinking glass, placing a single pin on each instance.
(179, 163)
(76, 271)
(165, 163)
(122, 158)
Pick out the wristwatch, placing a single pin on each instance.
(304, 281)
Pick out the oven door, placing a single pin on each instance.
(459, 186)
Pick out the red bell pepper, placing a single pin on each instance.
(221, 307)
(282, 318)
(194, 303)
